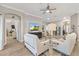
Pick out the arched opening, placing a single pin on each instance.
(12, 28)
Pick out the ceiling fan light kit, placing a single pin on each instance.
(48, 9)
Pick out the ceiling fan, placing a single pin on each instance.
(48, 9)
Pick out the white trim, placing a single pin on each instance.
(6, 6)
(2, 32)
(19, 36)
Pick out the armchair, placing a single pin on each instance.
(67, 45)
(33, 43)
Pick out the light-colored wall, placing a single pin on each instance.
(1, 32)
(75, 21)
(30, 19)
(5, 11)
(25, 20)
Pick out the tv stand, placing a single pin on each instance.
(38, 33)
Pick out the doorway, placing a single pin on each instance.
(12, 28)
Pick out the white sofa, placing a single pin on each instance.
(67, 45)
(33, 43)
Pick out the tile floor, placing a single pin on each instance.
(15, 48)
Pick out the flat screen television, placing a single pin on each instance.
(34, 26)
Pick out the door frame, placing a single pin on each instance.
(3, 36)
(19, 33)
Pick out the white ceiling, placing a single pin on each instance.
(62, 9)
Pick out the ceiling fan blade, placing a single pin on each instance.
(50, 12)
(48, 7)
(43, 10)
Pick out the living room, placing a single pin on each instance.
(42, 28)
